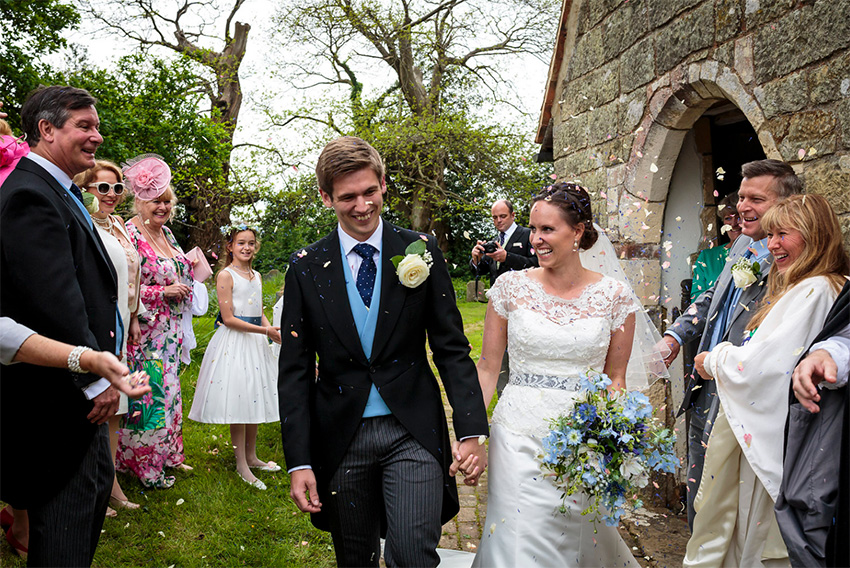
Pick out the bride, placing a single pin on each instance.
(556, 321)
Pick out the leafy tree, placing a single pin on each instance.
(30, 30)
(215, 73)
(430, 119)
(148, 105)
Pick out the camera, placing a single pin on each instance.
(490, 247)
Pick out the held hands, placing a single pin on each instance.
(673, 345)
(816, 367)
(470, 458)
(303, 491)
(699, 366)
(176, 291)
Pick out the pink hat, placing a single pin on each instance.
(11, 151)
(147, 176)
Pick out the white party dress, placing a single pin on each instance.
(550, 342)
(237, 383)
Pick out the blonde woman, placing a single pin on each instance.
(735, 523)
(152, 437)
(106, 183)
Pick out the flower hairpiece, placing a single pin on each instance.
(226, 230)
(147, 176)
(11, 151)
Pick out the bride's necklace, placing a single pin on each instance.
(157, 249)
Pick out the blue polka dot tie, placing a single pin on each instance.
(368, 271)
(75, 191)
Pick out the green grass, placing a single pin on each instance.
(222, 521)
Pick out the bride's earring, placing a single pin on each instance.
(575, 245)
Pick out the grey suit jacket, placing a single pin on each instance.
(699, 319)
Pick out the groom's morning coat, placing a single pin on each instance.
(319, 416)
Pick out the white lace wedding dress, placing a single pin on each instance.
(550, 342)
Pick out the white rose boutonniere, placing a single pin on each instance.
(745, 272)
(414, 267)
(91, 202)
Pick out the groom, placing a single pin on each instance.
(366, 441)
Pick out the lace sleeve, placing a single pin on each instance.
(501, 291)
(623, 303)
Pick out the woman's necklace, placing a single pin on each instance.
(157, 249)
(106, 223)
(250, 273)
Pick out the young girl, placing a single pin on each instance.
(237, 384)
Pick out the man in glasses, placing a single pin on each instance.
(510, 248)
(56, 279)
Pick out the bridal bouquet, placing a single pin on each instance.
(605, 448)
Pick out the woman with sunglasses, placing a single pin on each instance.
(105, 182)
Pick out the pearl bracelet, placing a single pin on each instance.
(74, 359)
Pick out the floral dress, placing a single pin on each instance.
(151, 438)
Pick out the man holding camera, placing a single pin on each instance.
(510, 250)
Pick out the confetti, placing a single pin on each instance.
(653, 168)
(665, 265)
(554, 176)
(748, 439)
(481, 440)
(801, 153)
(325, 265)
(678, 219)
(798, 350)
(294, 334)
(180, 501)
(740, 366)
(160, 533)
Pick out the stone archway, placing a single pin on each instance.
(678, 100)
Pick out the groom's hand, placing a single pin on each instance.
(302, 489)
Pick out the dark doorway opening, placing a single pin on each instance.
(734, 142)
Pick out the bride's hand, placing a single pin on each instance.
(465, 467)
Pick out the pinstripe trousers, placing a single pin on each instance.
(386, 473)
(64, 531)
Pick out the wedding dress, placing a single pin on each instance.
(551, 341)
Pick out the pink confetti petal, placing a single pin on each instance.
(748, 439)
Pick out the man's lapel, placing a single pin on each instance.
(514, 243)
(327, 268)
(65, 197)
(392, 293)
(750, 297)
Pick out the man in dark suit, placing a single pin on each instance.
(813, 507)
(56, 278)
(722, 312)
(366, 442)
(513, 246)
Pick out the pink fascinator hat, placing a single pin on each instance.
(147, 176)
(11, 151)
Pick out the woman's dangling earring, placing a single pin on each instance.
(575, 245)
